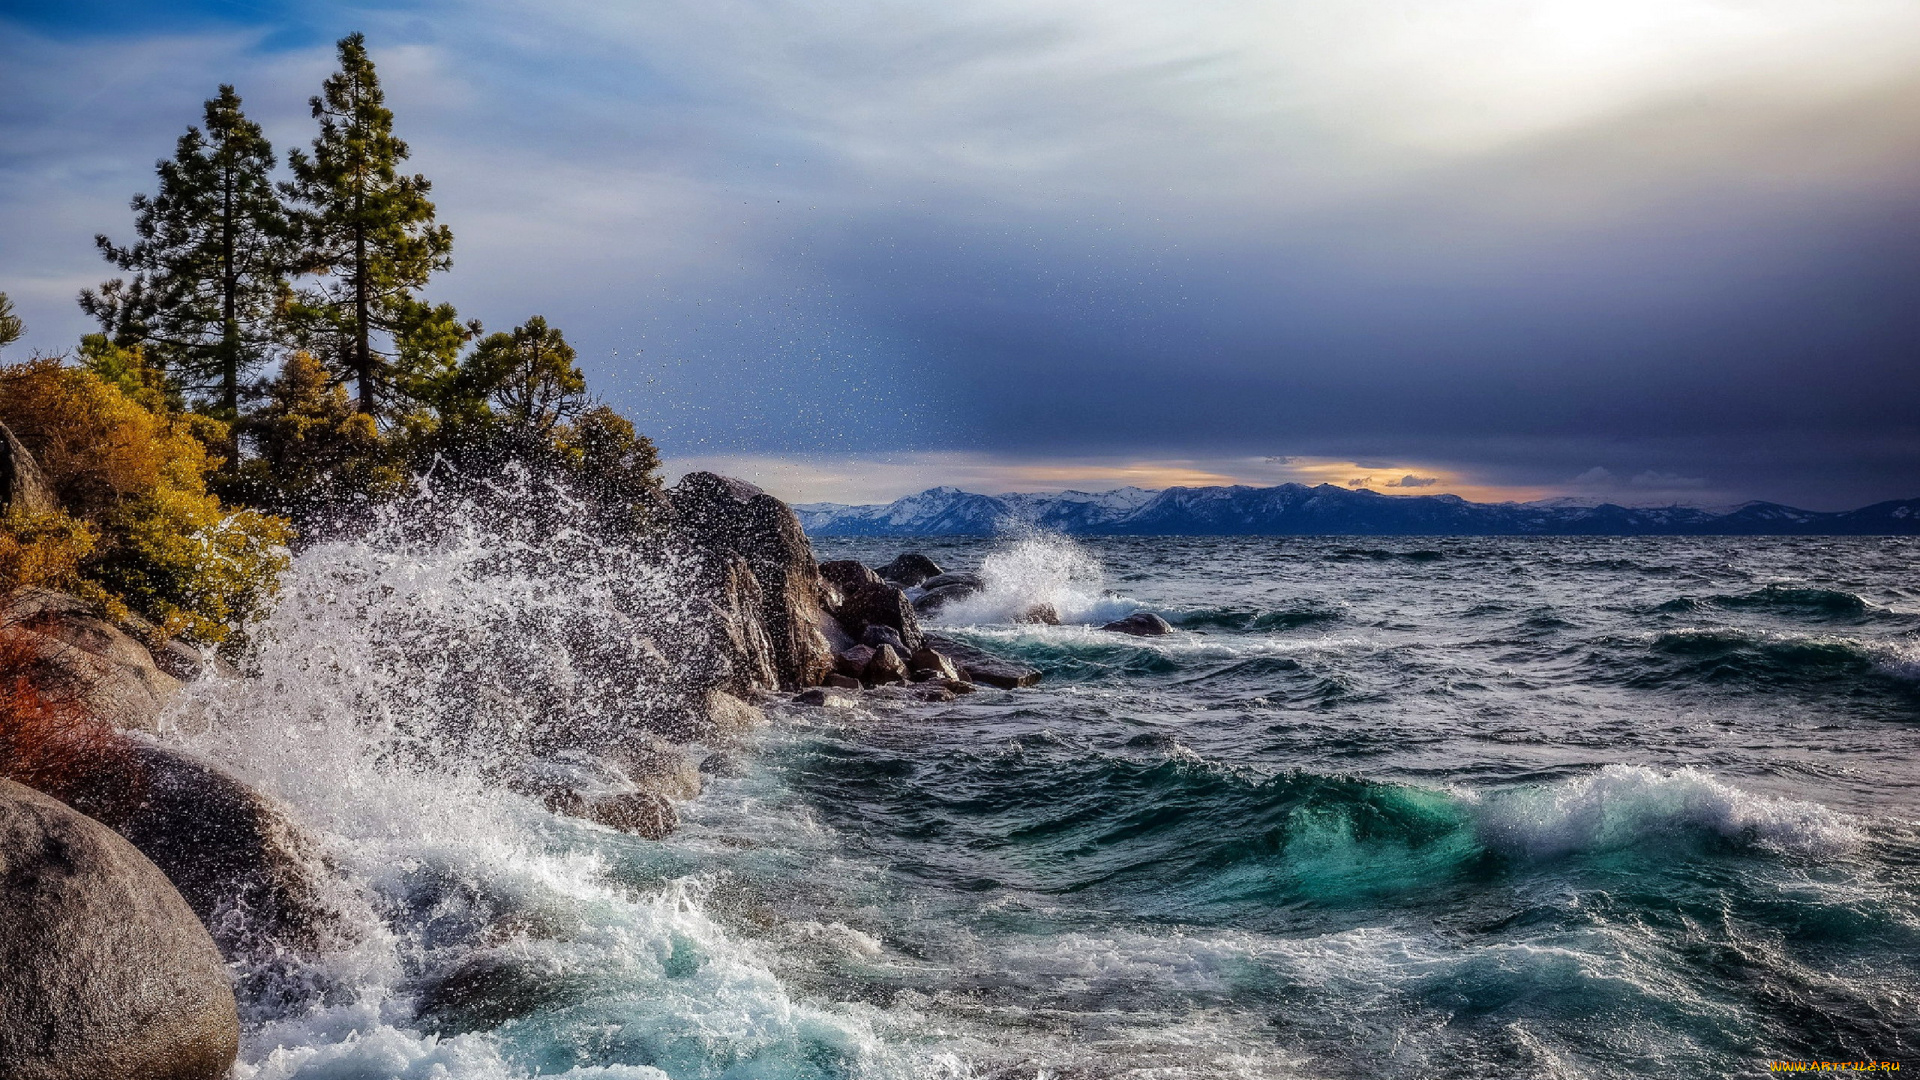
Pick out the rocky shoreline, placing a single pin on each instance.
(118, 817)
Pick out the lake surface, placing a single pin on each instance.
(1379, 808)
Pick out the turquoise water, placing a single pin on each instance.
(1378, 808)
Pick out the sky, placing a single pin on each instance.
(1648, 251)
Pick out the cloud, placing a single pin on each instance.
(1412, 481)
(1666, 481)
(1485, 243)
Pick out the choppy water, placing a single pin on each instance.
(1394, 808)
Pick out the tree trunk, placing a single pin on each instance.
(362, 347)
(229, 303)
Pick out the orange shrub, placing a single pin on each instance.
(48, 741)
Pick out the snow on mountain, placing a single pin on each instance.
(1297, 509)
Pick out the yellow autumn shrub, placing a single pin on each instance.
(135, 475)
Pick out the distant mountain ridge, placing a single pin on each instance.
(1326, 510)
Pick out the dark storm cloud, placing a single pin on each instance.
(1675, 243)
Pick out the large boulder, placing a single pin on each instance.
(939, 596)
(717, 513)
(737, 654)
(258, 880)
(22, 486)
(910, 569)
(104, 969)
(984, 667)
(90, 658)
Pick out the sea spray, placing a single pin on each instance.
(1040, 571)
(409, 679)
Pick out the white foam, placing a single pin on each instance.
(1624, 805)
(1044, 569)
(396, 682)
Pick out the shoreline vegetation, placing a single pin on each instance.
(270, 376)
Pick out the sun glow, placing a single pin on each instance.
(883, 478)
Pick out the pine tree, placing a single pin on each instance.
(367, 229)
(529, 380)
(10, 326)
(207, 266)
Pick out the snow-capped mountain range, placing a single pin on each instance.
(1326, 510)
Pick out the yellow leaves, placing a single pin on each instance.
(43, 550)
(138, 518)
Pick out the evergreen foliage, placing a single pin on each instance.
(369, 232)
(181, 474)
(208, 265)
(10, 325)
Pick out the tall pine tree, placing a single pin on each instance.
(368, 231)
(208, 265)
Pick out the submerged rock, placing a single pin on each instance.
(104, 969)
(910, 569)
(984, 667)
(1140, 624)
(1043, 613)
(838, 681)
(718, 513)
(822, 698)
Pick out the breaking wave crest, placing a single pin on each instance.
(1042, 570)
(404, 683)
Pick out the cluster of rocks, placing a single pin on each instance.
(127, 895)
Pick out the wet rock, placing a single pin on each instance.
(941, 581)
(104, 969)
(646, 814)
(737, 655)
(887, 666)
(251, 873)
(724, 714)
(876, 635)
(934, 693)
(722, 763)
(931, 601)
(841, 682)
(1140, 624)
(984, 667)
(865, 604)
(844, 574)
(1043, 613)
(22, 485)
(660, 768)
(960, 686)
(722, 514)
(910, 569)
(853, 663)
(821, 697)
(94, 660)
(925, 659)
